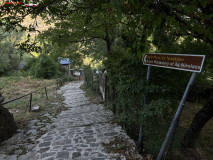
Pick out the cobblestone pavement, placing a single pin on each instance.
(80, 133)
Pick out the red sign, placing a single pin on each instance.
(186, 62)
(10, 3)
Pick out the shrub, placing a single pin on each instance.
(67, 78)
(29, 67)
(46, 67)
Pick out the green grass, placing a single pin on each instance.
(17, 103)
(5, 81)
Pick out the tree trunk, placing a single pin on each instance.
(200, 119)
(7, 124)
(113, 99)
(108, 41)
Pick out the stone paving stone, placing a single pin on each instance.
(45, 144)
(63, 154)
(51, 158)
(48, 154)
(76, 154)
(43, 149)
(13, 157)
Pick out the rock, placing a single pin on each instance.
(18, 152)
(35, 108)
(54, 103)
(7, 124)
(32, 132)
(19, 130)
(12, 157)
(2, 156)
(76, 154)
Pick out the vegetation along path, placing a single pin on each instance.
(83, 131)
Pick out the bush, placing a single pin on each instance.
(42, 67)
(46, 67)
(88, 75)
(67, 78)
(29, 67)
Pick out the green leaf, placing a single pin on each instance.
(139, 54)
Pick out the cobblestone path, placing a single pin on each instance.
(82, 132)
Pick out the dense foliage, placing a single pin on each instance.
(43, 67)
(10, 56)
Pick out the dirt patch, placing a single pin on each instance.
(124, 147)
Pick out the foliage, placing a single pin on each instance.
(55, 51)
(29, 67)
(88, 75)
(4, 62)
(43, 67)
(167, 42)
(67, 78)
(46, 67)
(10, 56)
(127, 74)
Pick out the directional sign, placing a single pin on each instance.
(187, 62)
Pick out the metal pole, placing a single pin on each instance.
(46, 92)
(141, 127)
(170, 134)
(30, 102)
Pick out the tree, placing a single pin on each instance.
(82, 22)
(46, 67)
(10, 56)
(186, 18)
(200, 119)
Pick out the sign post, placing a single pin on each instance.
(144, 102)
(186, 62)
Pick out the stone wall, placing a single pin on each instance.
(7, 124)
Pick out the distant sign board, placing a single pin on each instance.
(187, 62)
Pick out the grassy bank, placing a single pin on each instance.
(14, 87)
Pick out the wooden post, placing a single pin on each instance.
(30, 102)
(105, 89)
(92, 82)
(113, 99)
(97, 83)
(46, 92)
